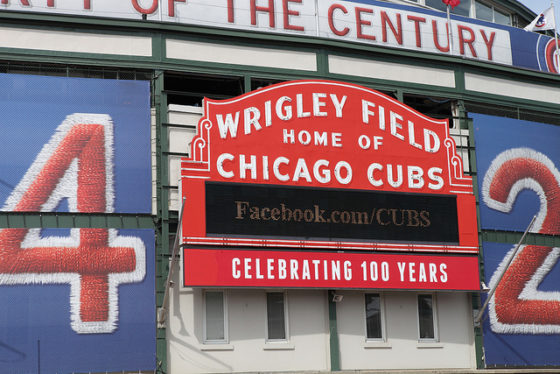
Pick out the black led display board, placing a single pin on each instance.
(248, 210)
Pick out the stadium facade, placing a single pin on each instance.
(277, 185)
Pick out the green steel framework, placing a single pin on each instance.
(165, 221)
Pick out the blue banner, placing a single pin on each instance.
(38, 110)
(518, 179)
(76, 299)
(510, 143)
(39, 328)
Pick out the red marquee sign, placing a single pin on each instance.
(242, 268)
(320, 164)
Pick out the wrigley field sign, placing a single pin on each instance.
(319, 164)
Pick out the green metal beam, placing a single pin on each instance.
(333, 331)
(75, 220)
(246, 83)
(162, 196)
(514, 237)
(478, 337)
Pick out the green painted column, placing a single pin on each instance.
(467, 123)
(162, 229)
(478, 340)
(333, 331)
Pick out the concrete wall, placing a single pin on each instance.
(308, 345)
(401, 349)
(306, 349)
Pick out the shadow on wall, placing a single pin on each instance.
(401, 316)
(180, 341)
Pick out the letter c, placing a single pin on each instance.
(371, 169)
(220, 165)
(235, 273)
(337, 32)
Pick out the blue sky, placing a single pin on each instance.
(538, 6)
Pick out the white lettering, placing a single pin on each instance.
(316, 268)
(299, 107)
(411, 136)
(220, 165)
(435, 178)
(422, 273)
(337, 172)
(325, 175)
(443, 276)
(270, 268)
(347, 270)
(402, 266)
(396, 126)
(433, 272)
(415, 177)
(366, 112)
(318, 104)
(321, 138)
(385, 271)
(265, 168)
(285, 115)
(336, 139)
(364, 142)
(338, 105)
(335, 270)
(294, 269)
(281, 268)
(251, 116)
(268, 113)
(252, 166)
(235, 273)
(411, 271)
(289, 136)
(247, 263)
(276, 169)
(230, 125)
(304, 137)
(258, 269)
(431, 141)
(396, 183)
(305, 273)
(371, 169)
(301, 171)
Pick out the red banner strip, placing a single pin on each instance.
(234, 268)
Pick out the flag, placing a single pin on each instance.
(453, 3)
(544, 21)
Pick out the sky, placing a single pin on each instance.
(538, 6)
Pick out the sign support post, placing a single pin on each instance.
(450, 30)
(333, 331)
(493, 290)
(162, 311)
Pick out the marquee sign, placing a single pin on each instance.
(319, 164)
(242, 268)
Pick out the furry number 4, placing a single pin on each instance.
(77, 165)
